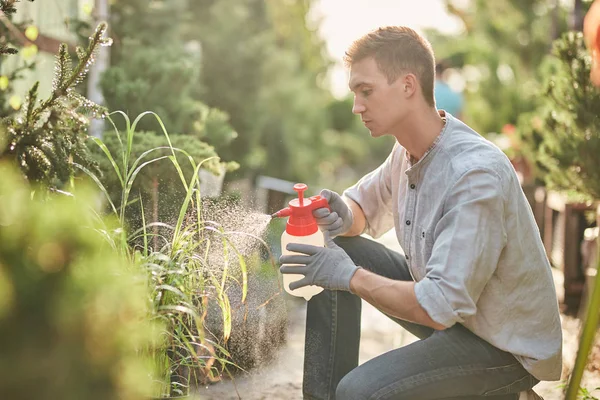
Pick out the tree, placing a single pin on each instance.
(498, 53)
(265, 66)
(153, 72)
(563, 135)
(156, 79)
(159, 73)
(45, 138)
(158, 185)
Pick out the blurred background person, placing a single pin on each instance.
(446, 98)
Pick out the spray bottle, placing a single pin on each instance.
(301, 228)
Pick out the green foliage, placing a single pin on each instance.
(149, 24)
(264, 65)
(43, 139)
(567, 141)
(162, 74)
(158, 184)
(563, 137)
(73, 312)
(161, 79)
(585, 394)
(498, 54)
(191, 262)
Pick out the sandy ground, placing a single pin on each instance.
(282, 378)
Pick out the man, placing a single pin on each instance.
(475, 284)
(446, 98)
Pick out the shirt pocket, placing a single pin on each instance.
(424, 243)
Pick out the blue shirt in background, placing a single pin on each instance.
(447, 99)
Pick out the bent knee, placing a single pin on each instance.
(346, 241)
(352, 387)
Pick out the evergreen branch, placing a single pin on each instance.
(45, 139)
(4, 49)
(80, 71)
(80, 52)
(30, 104)
(90, 54)
(62, 67)
(7, 6)
(86, 105)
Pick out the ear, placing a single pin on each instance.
(409, 84)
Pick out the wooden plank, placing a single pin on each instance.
(539, 207)
(548, 229)
(573, 281)
(562, 237)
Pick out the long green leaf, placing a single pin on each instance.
(146, 153)
(226, 311)
(178, 308)
(188, 196)
(124, 156)
(173, 289)
(164, 130)
(132, 179)
(588, 335)
(106, 151)
(100, 185)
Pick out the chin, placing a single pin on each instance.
(377, 134)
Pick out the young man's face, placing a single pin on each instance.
(591, 31)
(381, 106)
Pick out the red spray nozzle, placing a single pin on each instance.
(301, 222)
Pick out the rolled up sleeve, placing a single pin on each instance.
(468, 242)
(373, 193)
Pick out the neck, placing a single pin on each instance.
(419, 131)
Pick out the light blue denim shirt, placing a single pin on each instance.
(471, 243)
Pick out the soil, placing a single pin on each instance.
(282, 377)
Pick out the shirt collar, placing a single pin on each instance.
(411, 160)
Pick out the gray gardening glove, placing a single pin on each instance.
(328, 267)
(337, 221)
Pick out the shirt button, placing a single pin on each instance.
(407, 222)
(412, 186)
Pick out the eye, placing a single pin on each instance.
(366, 92)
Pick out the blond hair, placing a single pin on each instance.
(397, 50)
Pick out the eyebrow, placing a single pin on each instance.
(357, 85)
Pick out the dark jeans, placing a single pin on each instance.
(449, 364)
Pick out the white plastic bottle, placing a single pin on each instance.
(301, 228)
(315, 239)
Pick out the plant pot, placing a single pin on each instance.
(211, 185)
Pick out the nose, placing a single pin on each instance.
(358, 107)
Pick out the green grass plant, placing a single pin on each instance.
(179, 261)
